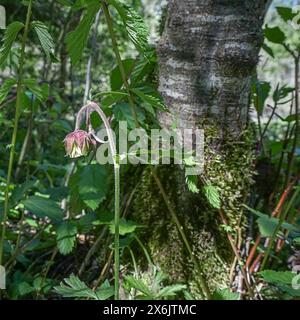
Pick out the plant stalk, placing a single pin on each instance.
(15, 130)
(88, 109)
(117, 231)
(119, 60)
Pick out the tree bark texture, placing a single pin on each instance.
(207, 55)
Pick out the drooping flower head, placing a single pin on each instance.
(78, 143)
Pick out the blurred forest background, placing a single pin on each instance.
(58, 212)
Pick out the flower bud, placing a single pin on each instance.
(78, 143)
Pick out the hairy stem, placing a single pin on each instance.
(117, 233)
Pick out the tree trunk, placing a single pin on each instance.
(207, 55)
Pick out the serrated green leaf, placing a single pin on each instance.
(267, 224)
(286, 13)
(66, 237)
(260, 92)
(110, 97)
(150, 99)
(125, 227)
(5, 88)
(191, 182)
(41, 92)
(138, 284)
(274, 35)
(20, 192)
(283, 280)
(9, 37)
(290, 118)
(225, 294)
(268, 50)
(44, 36)
(92, 186)
(137, 31)
(42, 208)
(282, 92)
(76, 40)
(116, 81)
(75, 288)
(171, 291)
(105, 293)
(123, 112)
(212, 195)
(86, 223)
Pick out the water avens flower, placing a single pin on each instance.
(78, 143)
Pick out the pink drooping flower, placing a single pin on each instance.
(78, 143)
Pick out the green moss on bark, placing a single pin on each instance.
(228, 166)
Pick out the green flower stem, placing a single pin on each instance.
(117, 231)
(15, 130)
(88, 109)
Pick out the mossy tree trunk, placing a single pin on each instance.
(207, 55)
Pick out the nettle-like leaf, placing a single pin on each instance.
(191, 182)
(41, 92)
(20, 191)
(275, 35)
(286, 13)
(139, 285)
(43, 207)
(92, 186)
(282, 92)
(5, 88)
(149, 99)
(116, 81)
(156, 289)
(9, 37)
(171, 291)
(225, 294)
(122, 112)
(212, 195)
(125, 227)
(260, 92)
(144, 66)
(283, 280)
(44, 36)
(75, 288)
(66, 237)
(267, 225)
(109, 98)
(137, 30)
(268, 50)
(76, 40)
